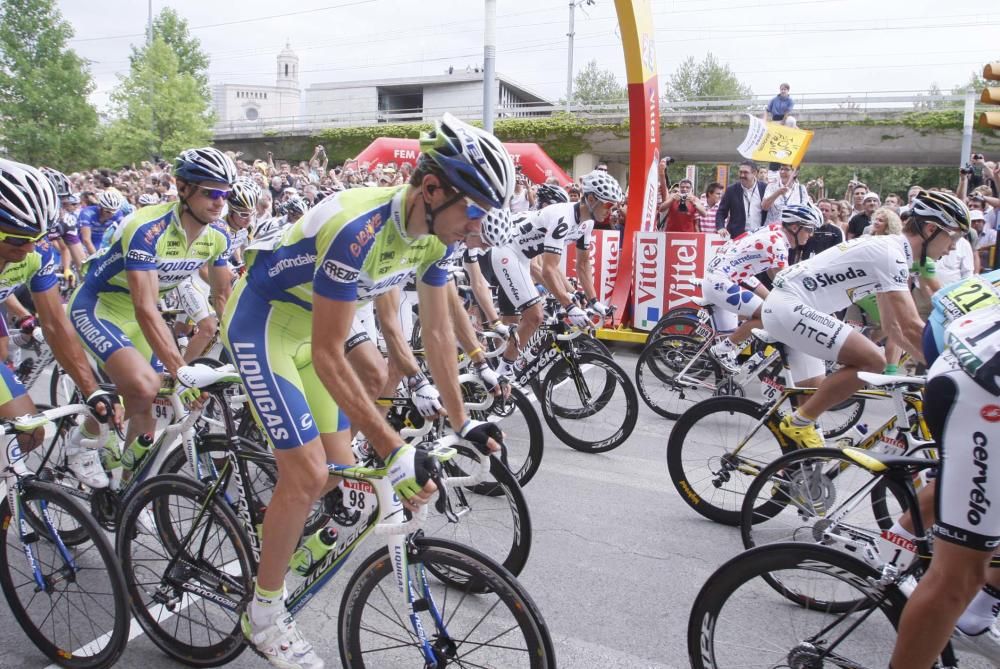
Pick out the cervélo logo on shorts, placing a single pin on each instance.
(991, 413)
(824, 279)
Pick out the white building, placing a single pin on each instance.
(414, 98)
(238, 102)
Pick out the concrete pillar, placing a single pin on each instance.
(583, 163)
(620, 172)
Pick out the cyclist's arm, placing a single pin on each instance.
(330, 328)
(553, 279)
(387, 306)
(481, 291)
(62, 339)
(464, 331)
(901, 322)
(439, 340)
(220, 280)
(85, 239)
(144, 287)
(584, 273)
(15, 308)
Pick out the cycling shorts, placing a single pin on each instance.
(106, 323)
(505, 268)
(362, 328)
(730, 300)
(271, 344)
(963, 418)
(10, 387)
(192, 296)
(809, 336)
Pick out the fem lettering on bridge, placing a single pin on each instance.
(667, 272)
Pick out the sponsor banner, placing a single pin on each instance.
(605, 247)
(635, 21)
(722, 174)
(668, 270)
(691, 174)
(774, 142)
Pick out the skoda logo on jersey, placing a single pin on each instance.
(826, 279)
(809, 283)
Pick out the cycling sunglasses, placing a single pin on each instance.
(473, 211)
(19, 240)
(241, 214)
(214, 193)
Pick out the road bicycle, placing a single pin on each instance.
(418, 600)
(809, 494)
(795, 604)
(720, 444)
(58, 571)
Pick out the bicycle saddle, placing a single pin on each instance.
(891, 380)
(202, 376)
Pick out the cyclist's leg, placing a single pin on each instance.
(15, 401)
(193, 294)
(967, 530)
(512, 275)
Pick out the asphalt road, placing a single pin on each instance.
(616, 561)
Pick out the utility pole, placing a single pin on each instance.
(149, 24)
(970, 113)
(569, 67)
(489, 65)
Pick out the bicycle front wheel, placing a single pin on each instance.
(715, 450)
(72, 603)
(580, 385)
(189, 570)
(675, 372)
(489, 621)
(738, 621)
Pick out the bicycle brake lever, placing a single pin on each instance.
(443, 501)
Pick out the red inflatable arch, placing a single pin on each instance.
(534, 162)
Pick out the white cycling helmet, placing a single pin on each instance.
(497, 228)
(27, 198)
(147, 199)
(110, 200)
(603, 186)
(473, 161)
(59, 181)
(245, 193)
(806, 215)
(269, 227)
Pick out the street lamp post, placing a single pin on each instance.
(569, 67)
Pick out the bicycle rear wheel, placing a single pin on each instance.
(79, 615)
(659, 378)
(189, 570)
(488, 622)
(708, 464)
(581, 383)
(523, 442)
(738, 621)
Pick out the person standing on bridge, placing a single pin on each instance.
(780, 106)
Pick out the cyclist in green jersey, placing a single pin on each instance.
(28, 206)
(291, 314)
(115, 308)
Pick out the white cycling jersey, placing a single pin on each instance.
(742, 258)
(845, 273)
(551, 230)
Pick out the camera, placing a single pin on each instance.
(683, 205)
(967, 169)
(668, 160)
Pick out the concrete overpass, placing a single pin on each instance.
(875, 130)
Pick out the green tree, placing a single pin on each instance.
(592, 85)
(975, 82)
(707, 80)
(45, 118)
(157, 109)
(174, 30)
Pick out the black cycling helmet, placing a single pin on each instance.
(548, 194)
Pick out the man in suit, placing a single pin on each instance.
(740, 210)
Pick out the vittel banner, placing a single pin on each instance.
(605, 248)
(668, 271)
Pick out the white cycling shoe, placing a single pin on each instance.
(281, 643)
(986, 644)
(85, 463)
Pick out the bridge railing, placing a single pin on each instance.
(850, 104)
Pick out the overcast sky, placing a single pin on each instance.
(818, 46)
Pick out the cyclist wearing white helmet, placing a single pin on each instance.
(28, 206)
(355, 246)
(115, 308)
(148, 199)
(64, 233)
(97, 218)
(737, 263)
(240, 217)
(798, 312)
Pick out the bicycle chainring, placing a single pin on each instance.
(106, 507)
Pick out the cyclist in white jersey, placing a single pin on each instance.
(739, 261)
(546, 234)
(962, 407)
(798, 312)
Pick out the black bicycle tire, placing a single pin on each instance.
(753, 563)
(687, 313)
(631, 404)
(678, 438)
(536, 437)
(378, 566)
(602, 398)
(119, 635)
(507, 486)
(751, 516)
(647, 360)
(171, 485)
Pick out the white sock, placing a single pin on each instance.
(264, 604)
(982, 612)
